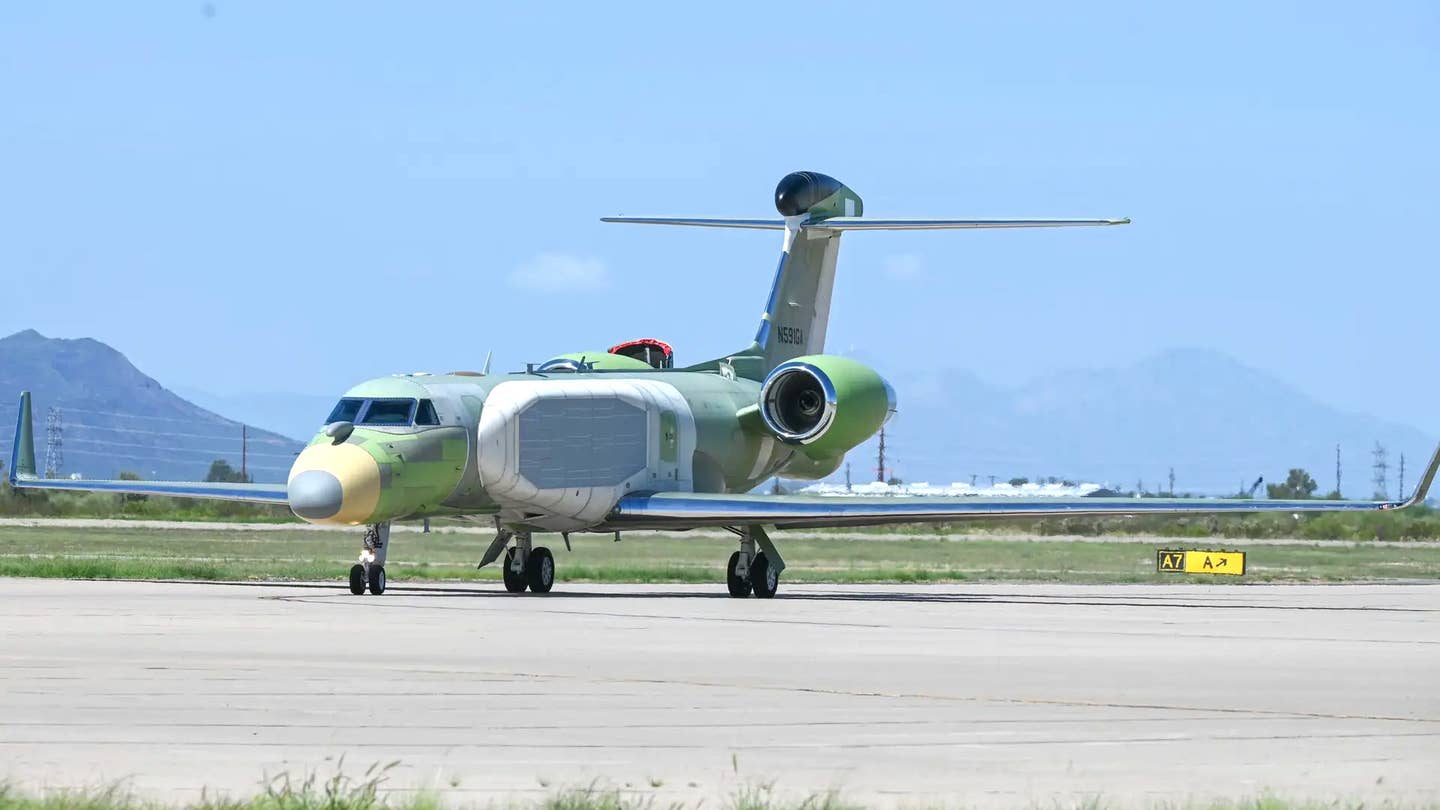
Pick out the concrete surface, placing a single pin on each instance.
(988, 695)
(442, 527)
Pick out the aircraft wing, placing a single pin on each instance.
(679, 510)
(22, 475)
(249, 493)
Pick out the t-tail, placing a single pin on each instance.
(816, 211)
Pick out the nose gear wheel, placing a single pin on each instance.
(369, 572)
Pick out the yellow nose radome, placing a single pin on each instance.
(335, 484)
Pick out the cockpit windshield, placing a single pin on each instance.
(385, 412)
(345, 410)
(389, 412)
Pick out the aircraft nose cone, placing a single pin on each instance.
(315, 494)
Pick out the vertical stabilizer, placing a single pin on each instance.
(797, 312)
(22, 455)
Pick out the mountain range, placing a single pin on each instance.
(113, 418)
(1217, 422)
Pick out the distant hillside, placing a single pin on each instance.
(1215, 420)
(115, 418)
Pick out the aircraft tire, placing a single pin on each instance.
(762, 579)
(357, 579)
(739, 586)
(377, 580)
(540, 570)
(514, 580)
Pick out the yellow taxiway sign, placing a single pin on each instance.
(1191, 561)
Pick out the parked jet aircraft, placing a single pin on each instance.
(617, 439)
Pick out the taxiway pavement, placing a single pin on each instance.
(987, 695)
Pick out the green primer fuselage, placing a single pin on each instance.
(432, 471)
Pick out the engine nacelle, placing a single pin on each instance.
(825, 404)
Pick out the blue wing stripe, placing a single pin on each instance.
(255, 493)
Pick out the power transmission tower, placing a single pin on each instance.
(1337, 471)
(880, 464)
(972, 479)
(1382, 468)
(244, 452)
(992, 481)
(1172, 482)
(54, 442)
(1400, 491)
(847, 476)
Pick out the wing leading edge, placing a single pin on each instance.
(690, 510)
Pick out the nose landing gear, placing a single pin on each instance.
(369, 572)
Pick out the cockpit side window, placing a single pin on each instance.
(388, 412)
(425, 413)
(345, 410)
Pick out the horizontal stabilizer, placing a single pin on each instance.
(866, 224)
(713, 222)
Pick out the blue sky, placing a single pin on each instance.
(295, 196)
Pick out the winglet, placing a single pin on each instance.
(1423, 488)
(22, 455)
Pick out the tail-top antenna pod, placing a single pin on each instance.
(817, 209)
(816, 194)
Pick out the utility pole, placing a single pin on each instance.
(244, 452)
(1337, 471)
(1172, 482)
(880, 465)
(54, 442)
(1400, 492)
(847, 476)
(1381, 467)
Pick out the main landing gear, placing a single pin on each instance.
(525, 565)
(754, 572)
(369, 572)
